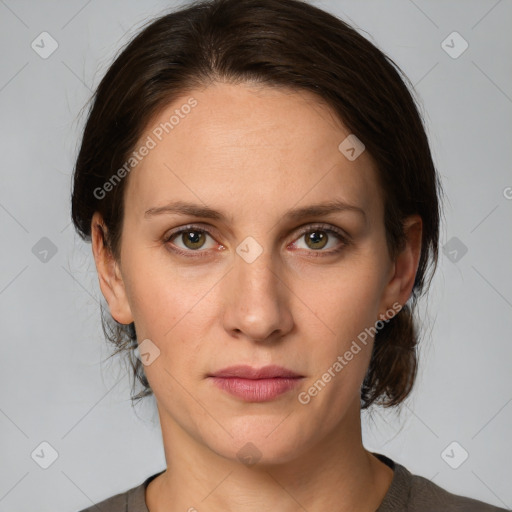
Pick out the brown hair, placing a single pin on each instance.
(279, 43)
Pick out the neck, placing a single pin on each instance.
(337, 474)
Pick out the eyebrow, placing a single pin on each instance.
(197, 210)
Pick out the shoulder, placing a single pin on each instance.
(415, 493)
(132, 500)
(117, 503)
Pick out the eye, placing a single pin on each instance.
(318, 237)
(191, 241)
(191, 238)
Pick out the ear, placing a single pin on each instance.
(403, 270)
(109, 275)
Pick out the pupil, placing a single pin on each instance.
(317, 237)
(193, 237)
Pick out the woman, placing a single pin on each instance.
(264, 211)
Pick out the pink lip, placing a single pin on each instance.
(248, 372)
(256, 384)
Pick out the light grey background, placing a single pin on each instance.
(54, 385)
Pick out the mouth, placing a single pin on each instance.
(256, 384)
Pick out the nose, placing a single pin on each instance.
(257, 300)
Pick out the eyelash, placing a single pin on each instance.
(204, 253)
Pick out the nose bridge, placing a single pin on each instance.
(257, 305)
(254, 270)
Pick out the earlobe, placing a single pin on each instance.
(405, 266)
(110, 279)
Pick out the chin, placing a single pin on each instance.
(263, 442)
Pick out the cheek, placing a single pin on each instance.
(348, 305)
(348, 302)
(173, 308)
(161, 294)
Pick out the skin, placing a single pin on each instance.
(255, 153)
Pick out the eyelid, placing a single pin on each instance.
(206, 228)
(327, 227)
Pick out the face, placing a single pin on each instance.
(264, 281)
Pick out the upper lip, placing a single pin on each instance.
(248, 372)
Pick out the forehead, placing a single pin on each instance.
(241, 147)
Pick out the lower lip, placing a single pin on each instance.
(256, 390)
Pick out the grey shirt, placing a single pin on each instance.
(407, 492)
